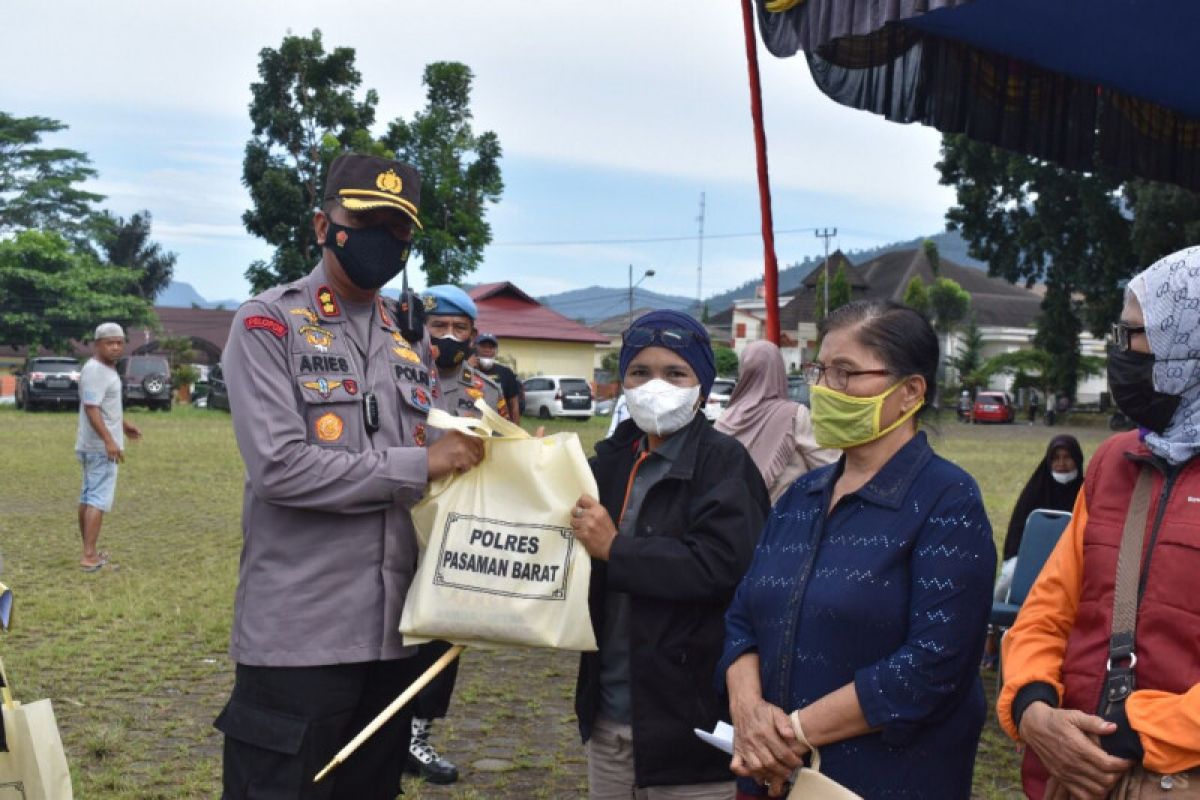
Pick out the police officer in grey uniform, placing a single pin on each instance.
(329, 392)
(451, 315)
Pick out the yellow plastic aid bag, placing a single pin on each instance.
(499, 564)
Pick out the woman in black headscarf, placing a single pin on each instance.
(1053, 485)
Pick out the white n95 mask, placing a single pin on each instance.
(661, 408)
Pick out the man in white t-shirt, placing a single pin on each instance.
(100, 442)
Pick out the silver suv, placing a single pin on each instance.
(558, 396)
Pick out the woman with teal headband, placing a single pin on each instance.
(866, 604)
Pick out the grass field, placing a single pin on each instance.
(134, 657)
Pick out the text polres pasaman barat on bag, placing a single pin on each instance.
(528, 560)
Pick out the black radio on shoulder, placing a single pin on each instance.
(411, 314)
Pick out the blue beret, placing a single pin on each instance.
(697, 352)
(450, 300)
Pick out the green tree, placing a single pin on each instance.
(1166, 218)
(180, 356)
(969, 360)
(305, 111)
(916, 295)
(839, 292)
(611, 363)
(727, 360)
(948, 303)
(52, 292)
(460, 173)
(1033, 221)
(39, 186)
(932, 256)
(1037, 367)
(126, 243)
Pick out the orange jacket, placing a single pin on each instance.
(1167, 724)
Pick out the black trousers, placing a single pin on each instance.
(433, 701)
(283, 724)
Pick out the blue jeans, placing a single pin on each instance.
(99, 480)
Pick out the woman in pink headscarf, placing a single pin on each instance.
(776, 430)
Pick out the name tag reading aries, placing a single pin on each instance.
(505, 558)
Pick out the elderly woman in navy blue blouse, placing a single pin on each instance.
(867, 601)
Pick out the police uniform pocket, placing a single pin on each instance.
(262, 727)
(261, 751)
(333, 410)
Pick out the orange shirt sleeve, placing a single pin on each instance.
(1033, 648)
(1168, 726)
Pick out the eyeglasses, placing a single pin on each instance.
(1121, 331)
(673, 338)
(836, 377)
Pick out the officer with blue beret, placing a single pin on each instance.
(450, 315)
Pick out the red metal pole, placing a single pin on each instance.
(771, 267)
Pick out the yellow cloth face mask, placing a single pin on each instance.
(842, 420)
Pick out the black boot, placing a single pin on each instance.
(423, 760)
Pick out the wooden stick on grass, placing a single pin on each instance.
(391, 710)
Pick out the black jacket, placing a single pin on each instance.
(693, 541)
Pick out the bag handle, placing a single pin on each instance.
(490, 425)
(815, 764)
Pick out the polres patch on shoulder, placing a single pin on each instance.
(260, 322)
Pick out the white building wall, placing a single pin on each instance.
(997, 340)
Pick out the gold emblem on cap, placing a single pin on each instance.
(389, 182)
(430, 302)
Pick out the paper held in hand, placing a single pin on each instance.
(499, 563)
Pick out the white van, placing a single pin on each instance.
(549, 396)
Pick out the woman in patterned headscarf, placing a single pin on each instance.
(1057, 656)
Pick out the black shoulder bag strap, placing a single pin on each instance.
(1119, 679)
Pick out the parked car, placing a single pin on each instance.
(145, 381)
(993, 407)
(559, 396)
(718, 397)
(218, 393)
(798, 389)
(48, 381)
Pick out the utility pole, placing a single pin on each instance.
(700, 261)
(826, 234)
(647, 274)
(629, 318)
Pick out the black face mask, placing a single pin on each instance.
(370, 256)
(1131, 381)
(451, 352)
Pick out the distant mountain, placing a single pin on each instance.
(951, 247)
(180, 294)
(595, 303)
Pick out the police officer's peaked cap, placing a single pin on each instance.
(449, 301)
(363, 183)
(485, 338)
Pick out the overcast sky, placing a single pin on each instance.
(613, 118)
